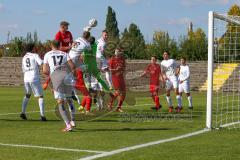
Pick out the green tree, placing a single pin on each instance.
(194, 46)
(112, 25)
(162, 42)
(133, 42)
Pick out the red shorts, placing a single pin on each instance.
(119, 83)
(153, 88)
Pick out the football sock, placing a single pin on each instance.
(41, 106)
(156, 100)
(109, 79)
(169, 101)
(63, 113)
(179, 100)
(24, 104)
(88, 103)
(190, 101)
(72, 111)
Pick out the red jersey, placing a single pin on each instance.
(118, 65)
(64, 38)
(154, 71)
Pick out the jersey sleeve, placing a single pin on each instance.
(71, 38)
(38, 60)
(68, 57)
(45, 60)
(58, 37)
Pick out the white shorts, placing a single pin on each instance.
(102, 63)
(184, 87)
(96, 86)
(33, 87)
(62, 85)
(172, 83)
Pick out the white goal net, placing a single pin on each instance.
(223, 100)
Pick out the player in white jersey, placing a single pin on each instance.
(56, 65)
(170, 69)
(76, 54)
(101, 60)
(30, 66)
(184, 81)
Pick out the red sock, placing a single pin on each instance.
(156, 100)
(83, 101)
(115, 95)
(88, 103)
(120, 102)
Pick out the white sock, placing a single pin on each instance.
(169, 101)
(109, 78)
(100, 101)
(24, 104)
(190, 101)
(179, 100)
(41, 106)
(72, 111)
(63, 113)
(78, 99)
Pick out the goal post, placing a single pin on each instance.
(223, 84)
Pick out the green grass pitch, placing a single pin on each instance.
(111, 132)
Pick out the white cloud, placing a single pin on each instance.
(190, 3)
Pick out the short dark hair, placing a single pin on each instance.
(166, 51)
(92, 40)
(29, 47)
(154, 57)
(55, 44)
(64, 23)
(86, 34)
(184, 58)
(105, 31)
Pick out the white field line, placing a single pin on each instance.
(50, 148)
(6, 114)
(110, 153)
(230, 124)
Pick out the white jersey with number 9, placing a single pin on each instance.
(30, 63)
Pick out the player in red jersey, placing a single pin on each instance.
(66, 40)
(117, 66)
(64, 37)
(154, 70)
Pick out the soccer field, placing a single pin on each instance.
(32, 139)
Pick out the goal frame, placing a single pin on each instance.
(211, 16)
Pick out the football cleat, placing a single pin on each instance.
(72, 123)
(119, 110)
(81, 109)
(170, 109)
(68, 128)
(178, 109)
(190, 108)
(23, 116)
(43, 118)
(156, 108)
(88, 113)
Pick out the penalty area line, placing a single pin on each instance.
(50, 148)
(110, 153)
(6, 114)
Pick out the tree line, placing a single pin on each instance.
(192, 46)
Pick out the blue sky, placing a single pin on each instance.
(22, 16)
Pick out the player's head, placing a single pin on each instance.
(64, 26)
(91, 40)
(183, 61)
(105, 35)
(55, 45)
(29, 47)
(153, 60)
(86, 35)
(118, 52)
(165, 55)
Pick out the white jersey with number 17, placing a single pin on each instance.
(169, 67)
(30, 63)
(57, 60)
